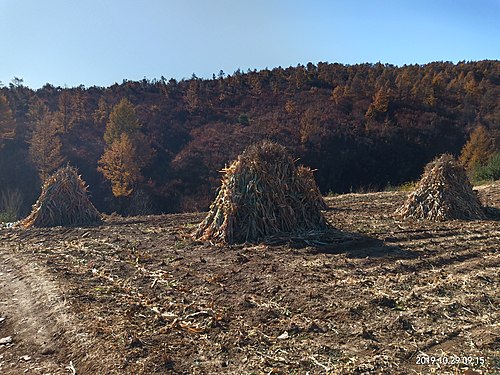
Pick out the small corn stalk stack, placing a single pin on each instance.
(63, 202)
(263, 194)
(443, 193)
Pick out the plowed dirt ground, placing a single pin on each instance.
(139, 296)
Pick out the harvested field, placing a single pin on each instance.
(139, 296)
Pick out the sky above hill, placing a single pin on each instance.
(100, 42)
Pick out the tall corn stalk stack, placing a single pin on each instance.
(262, 194)
(63, 202)
(443, 193)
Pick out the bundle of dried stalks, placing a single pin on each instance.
(443, 193)
(63, 202)
(262, 195)
(306, 177)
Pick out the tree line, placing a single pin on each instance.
(158, 145)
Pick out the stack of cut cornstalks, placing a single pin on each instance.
(262, 194)
(63, 202)
(443, 193)
(312, 193)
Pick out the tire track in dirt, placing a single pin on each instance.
(36, 318)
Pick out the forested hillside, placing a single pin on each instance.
(362, 127)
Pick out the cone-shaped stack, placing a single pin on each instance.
(262, 195)
(63, 202)
(443, 193)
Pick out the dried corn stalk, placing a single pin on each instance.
(63, 202)
(443, 193)
(262, 194)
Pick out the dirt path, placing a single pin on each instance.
(35, 317)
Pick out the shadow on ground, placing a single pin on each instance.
(334, 241)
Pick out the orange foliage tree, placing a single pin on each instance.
(45, 143)
(478, 149)
(127, 151)
(123, 119)
(120, 165)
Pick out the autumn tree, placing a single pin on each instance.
(310, 129)
(123, 119)
(45, 143)
(126, 152)
(7, 122)
(78, 110)
(120, 165)
(379, 105)
(478, 149)
(341, 96)
(63, 115)
(101, 114)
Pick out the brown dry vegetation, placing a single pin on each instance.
(139, 296)
(346, 121)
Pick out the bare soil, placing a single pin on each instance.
(139, 296)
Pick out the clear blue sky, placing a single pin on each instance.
(100, 42)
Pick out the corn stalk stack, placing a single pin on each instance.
(306, 177)
(262, 194)
(63, 202)
(443, 193)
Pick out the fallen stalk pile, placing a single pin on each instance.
(263, 194)
(443, 193)
(63, 202)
